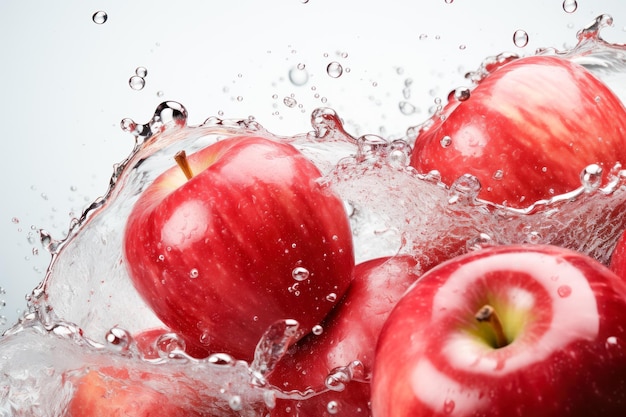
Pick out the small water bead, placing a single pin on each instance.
(462, 94)
(448, 406)
(170, 345)
(193, 273)
(119, 339)
(445, 141)
(141, 72)
(564, 291)
(332, 407)
(298, 75)
(334, 69)
(406, 108)
(136, 83)
(332, 297)
(99, 17)
(3, 320)
(520, 38)
(300, 274)
(317, 330)
(570, 6)
(290, 102)
(235, 403)
(498, 175)
(221, 359)
(591, 177)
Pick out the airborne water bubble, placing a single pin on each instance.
(334, 69)
(99, 17)
(570, 6)
(520, 38)
(141, 72)
(136, 82)
(298, 75)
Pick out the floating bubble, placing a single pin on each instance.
(334, 69)
(99, 17)
(290, 102)
(406, 108)
(141, 72)
(298, 75)
(520, 38)
(136, 82)
(570, 6)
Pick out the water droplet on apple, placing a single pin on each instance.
(235, 403)
(591, 177)
(498, 175)
(298, 75)
(332, 297)
(194, 273)
(611, 342)
(445, 141)
(448, 406)
(118, 339)
(170, 345)
(334, 69)
(99, 17)
(564, 291)
(570, 6)
(221, 359)
(464, 189)
(462, 93)
(520, 38)
(317, 330)
(332, 407)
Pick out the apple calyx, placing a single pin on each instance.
(183, 163)
(487, 314)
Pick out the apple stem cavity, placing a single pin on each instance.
(488, 315)
(183, 163)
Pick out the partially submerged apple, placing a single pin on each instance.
(506, 331)
(527, 132)
(242, 235)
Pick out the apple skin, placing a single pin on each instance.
(118, 392)
(214, 256)
(562, 312)
(349, 334)
(527, 131)
(618, 257)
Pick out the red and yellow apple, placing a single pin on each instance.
(526, 132)
(242, 235)
(506, 331)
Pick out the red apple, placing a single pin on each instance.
(118, 392)
(252, 237)
(618, 257)
(527, 132)
(506, 331)
(349, 334)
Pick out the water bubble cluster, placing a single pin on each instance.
(138, 81)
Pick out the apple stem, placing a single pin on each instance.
(183, 163)
(488, 314)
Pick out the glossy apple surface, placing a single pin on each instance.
(527, 131)
(251, 238)
(618, 257)
(563, 353)
(349, 334)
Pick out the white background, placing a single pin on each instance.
(64, 82)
